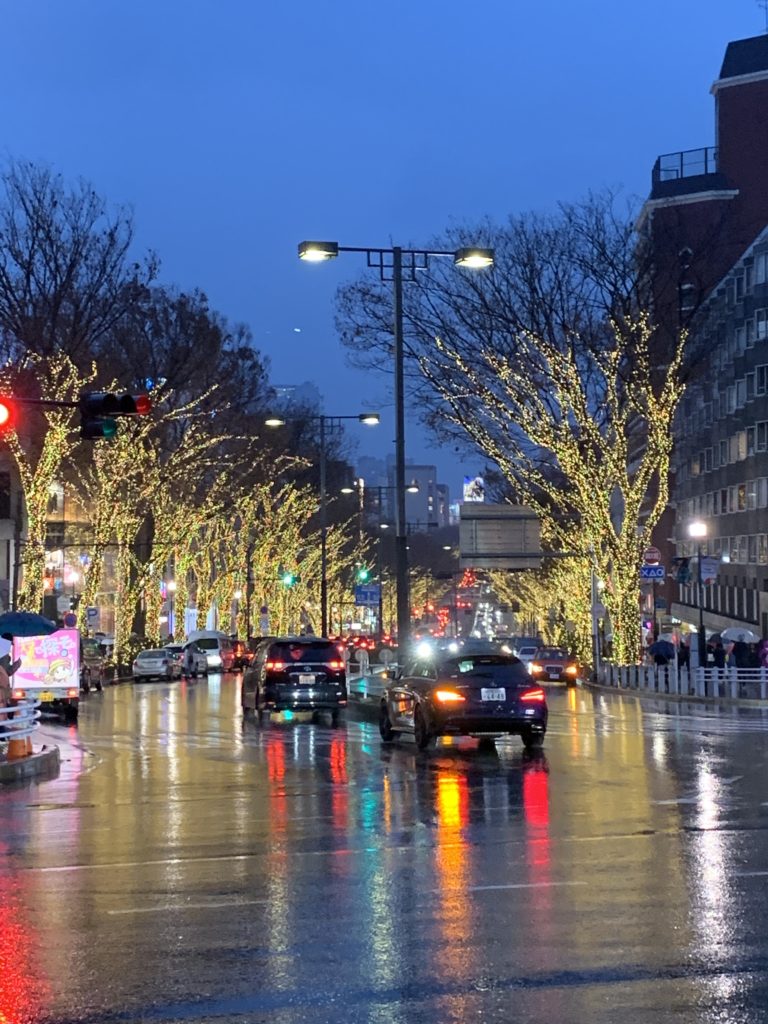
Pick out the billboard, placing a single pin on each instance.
(474, 488)
(48, 662)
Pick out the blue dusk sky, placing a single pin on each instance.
(237, 128)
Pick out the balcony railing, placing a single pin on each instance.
(688, 163)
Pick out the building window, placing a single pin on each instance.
(738, 283)
(717, 546)
(750, 432)
(696, 465)
(750, 378)
(742, 549)
(761, 379)
(760, 274)
(762, 492)
(723, 460)
(751, 494)
(762, 548)
(741, 393)
(761, 442)
(741, 338)
(741, 498)
(752, 548)
(731, 398)
(761, 324)
(723, 501)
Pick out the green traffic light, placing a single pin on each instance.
(109, 428)
(363, 575)
(288, 579)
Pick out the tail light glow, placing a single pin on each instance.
(72, 693)
(336, 665)
(536, 696)
(274, 666)
(18, 694)
(449, 697)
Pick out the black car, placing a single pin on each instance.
(296, 674)
(482, 695)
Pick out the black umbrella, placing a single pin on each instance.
(662, 648)
(25, 624)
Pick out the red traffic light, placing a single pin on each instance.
(6, 415)
(143, 404)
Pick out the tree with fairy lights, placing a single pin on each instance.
(550, 367)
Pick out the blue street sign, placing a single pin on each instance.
(652, 572)
(367, 594)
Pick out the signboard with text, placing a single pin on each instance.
(48, 662)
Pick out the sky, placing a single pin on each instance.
(237, 128)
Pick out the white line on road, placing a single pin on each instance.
(512, 885)
(165, 907)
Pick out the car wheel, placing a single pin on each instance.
(532, 740)
(487, 744)
(421, 733)
(386, 731)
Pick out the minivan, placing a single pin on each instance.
(217, 648)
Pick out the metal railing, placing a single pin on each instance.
(18, 722)
(686, 163)
(736, 683)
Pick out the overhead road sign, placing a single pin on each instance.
(499, 537)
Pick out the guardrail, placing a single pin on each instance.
(17, 724)
(737, 683)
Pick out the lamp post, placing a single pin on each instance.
(697, 530)
(360, 485)
(370, 419)
(390, 265)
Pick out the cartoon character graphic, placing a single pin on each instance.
(59, 672)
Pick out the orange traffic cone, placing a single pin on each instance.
(17, 748)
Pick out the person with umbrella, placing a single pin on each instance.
(662, 652)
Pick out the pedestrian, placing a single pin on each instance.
(718, 654)
(740, 654)
(762, 650)
(683, 654)
(753, 657)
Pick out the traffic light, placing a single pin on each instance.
(363, 574)
(7, 415)
(288, 578)
(99, 410)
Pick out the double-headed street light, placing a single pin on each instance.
(697, 530)
(390, 263)
(370, 419)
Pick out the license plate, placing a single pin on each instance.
(493, 694)
(46, 697)
(554, 673)
(306, 677)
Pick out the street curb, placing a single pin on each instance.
(45, 762)
(737, 702)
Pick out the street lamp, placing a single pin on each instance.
(389, 263)
(697, 530)
(369, 419)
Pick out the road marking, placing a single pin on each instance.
(512, 885)
(163, 908)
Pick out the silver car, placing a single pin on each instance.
(156, 663)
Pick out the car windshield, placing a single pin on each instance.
(152, 654)
(527, 652)
(208, 644)
(552, 652)
(311, 650)
(497, 669)
(174, 648)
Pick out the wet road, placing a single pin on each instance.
(186, 868)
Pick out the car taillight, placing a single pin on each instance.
(335, 665)
(72, 693)
(275, 666)
(449, 697)
(571, 670)
(19, 694)
(536, 696)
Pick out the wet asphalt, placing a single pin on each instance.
(187, 867)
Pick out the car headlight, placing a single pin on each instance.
(535, 667)
(571, 670)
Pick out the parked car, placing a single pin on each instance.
(176, 651)
(482, 695)
(155, 663)
(298, 673)
(217, 647)
(554, 664)
(194, 661)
